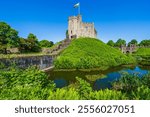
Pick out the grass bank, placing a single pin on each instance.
(143, 56)
(9, 56)
(87, 53)
(143, 52)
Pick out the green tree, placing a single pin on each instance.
(120, 42)
(67, 34)
(32, 43)
(111, 43)
(8, 37)
(46, 43)
(145, 43)
(133, 41)
(23, 46)
(32, 36)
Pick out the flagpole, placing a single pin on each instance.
(77, 6)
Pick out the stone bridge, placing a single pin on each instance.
(128, 49)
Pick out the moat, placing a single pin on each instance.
(98, 79)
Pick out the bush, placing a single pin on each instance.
(64, 94)
(131, 82)
(84, 88)
(24, 93)
(24, 84)
(127, 83)
(146, 80)
(107, 95)
(142, 93)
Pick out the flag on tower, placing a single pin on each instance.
(77, 5)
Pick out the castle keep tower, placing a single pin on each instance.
(76, 28)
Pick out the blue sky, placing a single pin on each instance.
(47, 19)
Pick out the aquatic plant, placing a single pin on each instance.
(131, 82)
(127, 83)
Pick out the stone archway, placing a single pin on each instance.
(127, 52)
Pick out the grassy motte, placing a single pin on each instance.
(85, 53)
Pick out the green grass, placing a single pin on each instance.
(143, 52)
(143, 56)
(8, 56)
(85, 53)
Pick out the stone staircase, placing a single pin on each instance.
(60, 47)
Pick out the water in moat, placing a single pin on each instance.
(98, 79)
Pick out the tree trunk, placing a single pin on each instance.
(5, 50)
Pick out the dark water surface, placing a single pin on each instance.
(98, 79)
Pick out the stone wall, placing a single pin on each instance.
(41, 62)
(87, 30)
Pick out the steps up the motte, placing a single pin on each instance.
(61, 46)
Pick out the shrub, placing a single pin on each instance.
(107, 95)
(142, 93)
(146, 80)
(24, 93)
(24, 84)
(127, 83)
(64, 94)
(84, 88)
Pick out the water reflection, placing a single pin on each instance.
(97, 78)
(106, 82)
(60, 83)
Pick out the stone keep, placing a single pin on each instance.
(76, 28)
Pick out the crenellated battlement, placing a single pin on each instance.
(87, 23)
(72, 17)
